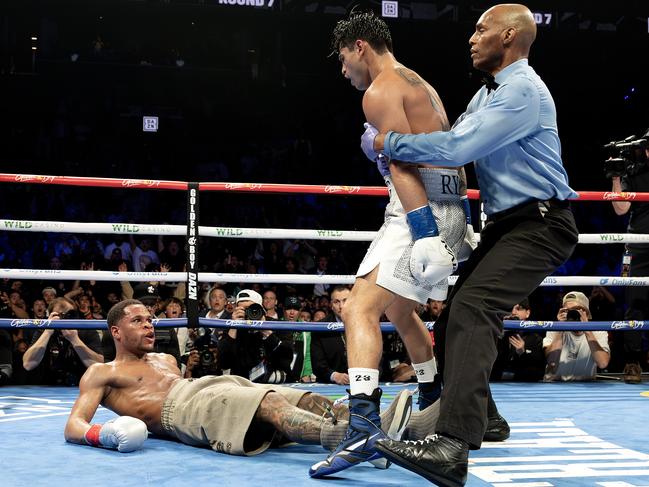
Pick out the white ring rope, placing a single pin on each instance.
(262, 233)
(221, 277)
(153, 229)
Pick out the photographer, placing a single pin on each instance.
(203, 357)
(629, 172)
(60, 357)
(575, 355)
(258, 355)
(520, 353)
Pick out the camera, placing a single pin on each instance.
(207, 360)
(573, 315)
(628, 156)
(71, 314)
(510, 333)
(255, 312)
(202, 344)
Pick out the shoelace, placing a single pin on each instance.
(341, 400)
(426, 441)
(328, 413)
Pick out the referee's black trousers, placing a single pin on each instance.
(518, 249)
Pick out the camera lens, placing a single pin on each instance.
(573, 315)
(254, 312)
(206, 357)
(71, 314)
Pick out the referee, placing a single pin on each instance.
(510, 131)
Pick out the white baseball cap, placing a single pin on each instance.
(248, 295)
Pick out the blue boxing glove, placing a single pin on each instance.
(367, 145)
(431, 259)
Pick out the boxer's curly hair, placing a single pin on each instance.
(365, 26)
(117, 312)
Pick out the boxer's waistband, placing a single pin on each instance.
(441, 184)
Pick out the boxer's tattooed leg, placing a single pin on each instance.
(320, 405)
(300, 426)
(295, 424)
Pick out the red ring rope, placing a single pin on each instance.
(265, 187)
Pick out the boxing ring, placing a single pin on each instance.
(571, 434)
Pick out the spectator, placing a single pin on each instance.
(6, 361)
(10, 305)
(216, 301)
(301, 365)
(175, 308)
(395, 363)
(123, 249)
(302, 252)
(49, 294)
(159, 288)
(60, 357)
(18, 285)
(434, 308)
(319, 315)
(321, 270)
(88, 308)
(520, 353)
(305, 315)
(328, 350)
(270, 305)
(143, 254)
(115, 259)
(258, 355)
(39, 309)
(575, 355)
(171, 254)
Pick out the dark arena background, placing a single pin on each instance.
(248, 91)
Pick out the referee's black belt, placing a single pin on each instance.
(532, 206)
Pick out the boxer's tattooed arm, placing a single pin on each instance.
(413, 79)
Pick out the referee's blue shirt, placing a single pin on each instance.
(510, 133)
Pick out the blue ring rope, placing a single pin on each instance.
(321, 326)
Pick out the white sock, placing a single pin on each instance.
(426, 372)
(363, 381)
